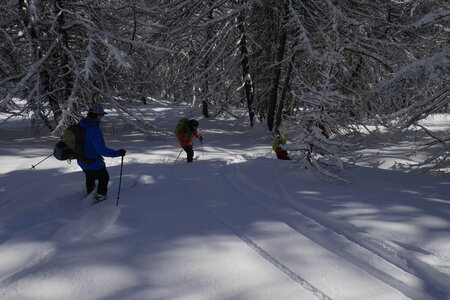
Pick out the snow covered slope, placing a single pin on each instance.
(235, 224)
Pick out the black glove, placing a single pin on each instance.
(201, 139)
(122, 152)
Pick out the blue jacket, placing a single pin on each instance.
(94, 145)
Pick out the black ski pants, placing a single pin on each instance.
(103, 178)
(190, 153)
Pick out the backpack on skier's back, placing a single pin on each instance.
(181, 126)
(71, 144)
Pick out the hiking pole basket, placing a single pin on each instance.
(33, 166)
(120, 182)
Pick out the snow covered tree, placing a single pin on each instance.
(294, 65)
(358, 59)
(210, 63)
(62, 56)
(420, 85)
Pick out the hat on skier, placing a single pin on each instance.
(97, 109)
(193, 123)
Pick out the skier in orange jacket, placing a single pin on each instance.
(186, 131)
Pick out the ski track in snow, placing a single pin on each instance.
(382, 252)
(254, 245)
(383, 262)
(271, 259)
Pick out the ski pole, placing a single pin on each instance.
(120, 182)
(33, 166)
(203, 153)
(178, 156)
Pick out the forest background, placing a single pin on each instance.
(364, 69)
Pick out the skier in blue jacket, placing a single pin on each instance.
(94, 149)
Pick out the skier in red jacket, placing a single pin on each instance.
(186, 131)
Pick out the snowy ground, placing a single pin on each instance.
(235, 224)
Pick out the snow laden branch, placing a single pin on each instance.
(25, 78)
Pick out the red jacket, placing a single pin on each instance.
(324, 131)
(186, 138)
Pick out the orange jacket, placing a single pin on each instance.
(186, 138)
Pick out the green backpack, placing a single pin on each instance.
(181, 126)
(71, 145)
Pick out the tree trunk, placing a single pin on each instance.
(64, 72)
(279, 115)
(273, 98)
(205, 108)
(248, 84)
